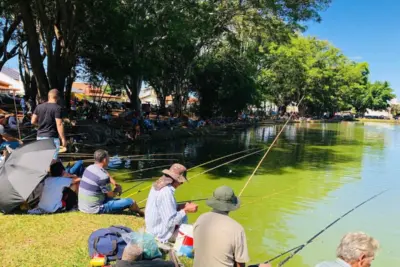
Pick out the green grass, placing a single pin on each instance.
(55, 240)
(378, 120)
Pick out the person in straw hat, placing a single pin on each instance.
(163, 215)
(220, 241)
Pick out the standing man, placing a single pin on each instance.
(354, 250)
(163, 215)
(48, 117)
(220, 241)
(95, 193)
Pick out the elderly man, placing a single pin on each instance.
(95, 194)
(220, 241)
(355, 250)
(163, 215)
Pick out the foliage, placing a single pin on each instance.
(10, 22)
(224, 84)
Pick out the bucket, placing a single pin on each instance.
(184, 241)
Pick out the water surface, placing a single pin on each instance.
(315, 173)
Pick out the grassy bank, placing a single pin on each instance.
(53, 240)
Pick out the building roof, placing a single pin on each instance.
(12, 73)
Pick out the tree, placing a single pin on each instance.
(224, 83)
(52, 29)
(378, 95)
(10, 21)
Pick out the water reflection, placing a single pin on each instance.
(315, 173)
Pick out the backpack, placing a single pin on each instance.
(108, 242)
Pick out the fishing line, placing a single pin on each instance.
(301, 247)
(142, 170)
(223, 164)
(269, 149)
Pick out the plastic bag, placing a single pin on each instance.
(146, 242)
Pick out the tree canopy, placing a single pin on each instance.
(231, 54)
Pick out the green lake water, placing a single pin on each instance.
(314, 174)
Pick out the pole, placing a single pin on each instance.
(16, 116)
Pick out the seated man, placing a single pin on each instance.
(354, 250)
(163, 215)
(95, 194)
(54, 187)
(132, 258)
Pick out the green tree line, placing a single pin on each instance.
(230, 54)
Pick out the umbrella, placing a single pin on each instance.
(22, 171)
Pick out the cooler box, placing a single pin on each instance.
(184, 241)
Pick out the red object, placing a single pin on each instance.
(187, 241)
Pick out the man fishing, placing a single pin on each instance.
(163, 215)
(355, 250)
(48, 117)
(220, 241)
(95, 193)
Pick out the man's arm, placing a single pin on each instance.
(60, 129)
(10, 138)
(34, 119)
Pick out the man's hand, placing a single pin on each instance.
(190, 207)
(265, 265)
(118, 189)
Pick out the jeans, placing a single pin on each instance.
(77, 169)
(116, 205)
(56, 143)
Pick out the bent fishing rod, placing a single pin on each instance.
(301, 247)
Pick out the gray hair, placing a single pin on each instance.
(132, 253)
(100, 155)
(354, 245)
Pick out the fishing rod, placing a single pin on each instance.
(276, 257)
(193, 200)
(197, 166)
(141, 159)
(301, 247)
(269, 149)
(206, 171)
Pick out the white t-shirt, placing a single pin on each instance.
(52, 194)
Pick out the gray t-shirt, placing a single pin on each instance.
(219, 241)
(94, 184)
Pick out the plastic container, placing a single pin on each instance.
(184, 241)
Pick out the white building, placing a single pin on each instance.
(10, 78)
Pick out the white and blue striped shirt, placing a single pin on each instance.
(161, 215)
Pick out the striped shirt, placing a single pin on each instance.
(161, 215)
(94, 184)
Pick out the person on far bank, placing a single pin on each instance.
(220, 241)
(355, 250)
(95, 192)
(48, 117)
(163, 215)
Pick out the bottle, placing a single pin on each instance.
(98, 260)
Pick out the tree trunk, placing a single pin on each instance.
(34, 48)
(68, 89)
(133, 90)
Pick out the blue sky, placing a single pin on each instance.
(365, 30)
